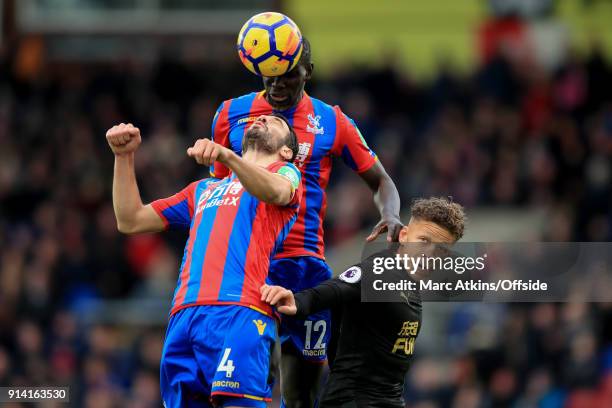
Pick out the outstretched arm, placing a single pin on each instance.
(387, 201)
(132, 216)
(267, 186)
(326, 295)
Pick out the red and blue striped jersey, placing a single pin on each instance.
(232, 238)
(323, 131)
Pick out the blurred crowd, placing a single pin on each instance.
(540, 355)
(508, 134)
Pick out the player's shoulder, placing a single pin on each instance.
(323, 106)
(241, 98)
(276, 166)
(355, 273)
(288, 170)
(334, 111)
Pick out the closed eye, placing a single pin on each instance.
(281, 122)
(278, 120)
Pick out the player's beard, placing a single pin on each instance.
(258, 139)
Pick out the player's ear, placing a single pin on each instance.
(309, 68)
(286, 153)
(403, 235)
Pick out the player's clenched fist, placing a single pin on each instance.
(206, 152)
(123, 139)
(280, 297)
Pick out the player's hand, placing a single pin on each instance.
(391, 225)
(280, 297)
(123, 139)
(206, 152)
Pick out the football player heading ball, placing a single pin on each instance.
(323, 131)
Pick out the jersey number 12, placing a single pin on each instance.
(320, 326)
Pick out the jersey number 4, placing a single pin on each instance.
(320, 326)
(226, 365)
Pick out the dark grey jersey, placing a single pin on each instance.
(375, 345)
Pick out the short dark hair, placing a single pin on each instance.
(306, 57)
(291, 139)
(442, 211)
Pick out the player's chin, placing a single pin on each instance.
(281, 102)
(279, 99)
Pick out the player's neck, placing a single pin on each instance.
(260, 158)
(299, 98)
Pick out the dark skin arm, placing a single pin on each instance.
(387, 201)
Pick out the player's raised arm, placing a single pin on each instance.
(263, 184)
(387, 200)
(272, 188)
(353, 149)
(132, 216)
(266, 142)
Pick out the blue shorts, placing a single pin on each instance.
(311, 336)
(220, 352)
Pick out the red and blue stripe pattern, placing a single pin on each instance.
(232, 237)
(323, 131)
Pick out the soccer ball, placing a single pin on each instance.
(269, 44)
